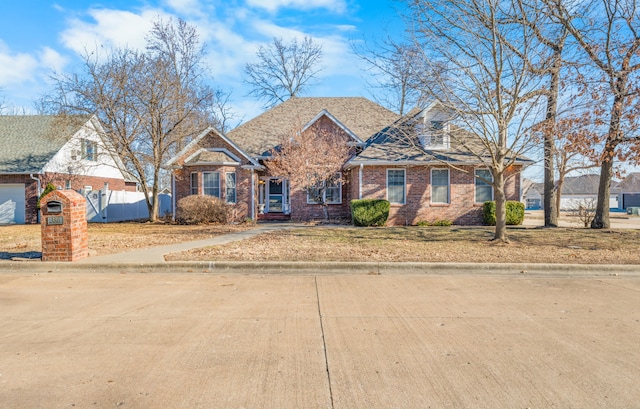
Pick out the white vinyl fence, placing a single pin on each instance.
(104, 206)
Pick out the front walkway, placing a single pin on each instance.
(156, 254)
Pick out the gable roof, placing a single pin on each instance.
(362, 117)
(212, 157)
(197, 139)
(29, 142)
(399, 144)
(630, 184)
(580, 185)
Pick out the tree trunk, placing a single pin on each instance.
(501, 208)
(559, 196)
(551, 208)
(601, 218)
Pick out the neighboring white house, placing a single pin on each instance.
(576, 191)
(66, 151)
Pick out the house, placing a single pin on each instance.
(413, 161)
(576, 191)
(64, 150)
(628, 190)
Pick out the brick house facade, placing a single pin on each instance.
(377, 153)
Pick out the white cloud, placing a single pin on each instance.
(52, 60)
(15, 67)
(110, 28)
(338, 6)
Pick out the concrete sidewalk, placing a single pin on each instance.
(105, 339)
(156, 254)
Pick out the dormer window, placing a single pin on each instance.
(433, 134)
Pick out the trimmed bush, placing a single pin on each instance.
(197, 209)
(370, 212)
(47, 189)
(514, 216)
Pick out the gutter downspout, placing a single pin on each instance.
(39, 193)
(360, 181)
(253, 196)
(173, 197)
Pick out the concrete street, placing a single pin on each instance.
(92, 339)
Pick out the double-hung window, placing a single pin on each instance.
(439, 185)
(211, 183)
(484, 190)
(230, 187)
(332, 193)
(396, 186)
(89, 150)
(194, 183)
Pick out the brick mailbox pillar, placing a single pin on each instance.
(64, 226)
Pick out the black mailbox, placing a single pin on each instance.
(54, 207)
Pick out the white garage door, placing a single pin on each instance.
(12, 203)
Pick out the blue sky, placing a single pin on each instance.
(38, 36)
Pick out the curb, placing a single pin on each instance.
(325, 268)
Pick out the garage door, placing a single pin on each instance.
(12, 203)
(631, 200)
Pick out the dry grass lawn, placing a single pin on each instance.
(324, 243)
(431, 244)
(17, 240)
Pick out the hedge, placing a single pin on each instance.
(515, 213)
(370, 212)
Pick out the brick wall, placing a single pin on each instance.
(461, 208)
(67, 241)
(301, 210)
(241, 209)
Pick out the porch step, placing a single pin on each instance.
(274, 217)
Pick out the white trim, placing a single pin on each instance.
(253, 195)
(360, 170)
(191, 183)
(198, 138)
(235, 187)
(223, 150)
(448, 186)
(404, 171)
(332, 118)
(475, 184)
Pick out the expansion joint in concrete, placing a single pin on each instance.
(324, 342)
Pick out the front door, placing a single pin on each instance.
(276, 197)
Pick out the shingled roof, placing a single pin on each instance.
(29, 142)
(361, 116)
(399, 144)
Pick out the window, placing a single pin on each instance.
(433, 135)
(396, 190)
(67, 184)
(484, 190)
(89, 150)
(194, 183)
(230, 187)
(332, 194)
(439, 185)
(211, 183)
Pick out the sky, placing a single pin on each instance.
(38, 37)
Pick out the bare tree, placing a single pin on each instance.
(149, 102)
(608, 34)
(312, 161)
(283, 70)
(398, 72)
(487, 86)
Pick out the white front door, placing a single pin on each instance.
(276, 196)
(12, 204)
